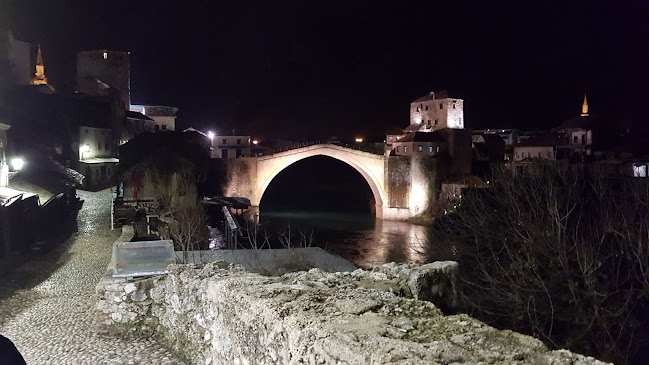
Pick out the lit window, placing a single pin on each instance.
(453, 105)
(430, 148)
(419, 148)
(639, 170)
(405, 148)
(437, 149)
(105, 55)
(238, 140)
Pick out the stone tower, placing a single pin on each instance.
(105, 73)
(436, 111)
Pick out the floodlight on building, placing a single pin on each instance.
(17, 164)
(359, 140)
(210, 135)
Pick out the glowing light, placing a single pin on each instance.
(255, 142)
(105, 55)
(359, 139)
(17, 164)
(210, 135)
(85, 148)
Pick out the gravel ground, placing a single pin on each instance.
(48, 309)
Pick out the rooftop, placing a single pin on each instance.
(433, 96)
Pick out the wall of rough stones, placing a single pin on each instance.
(219, 314)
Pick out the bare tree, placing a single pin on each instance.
(180, 207)
(557, 253)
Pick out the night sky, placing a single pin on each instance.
(320, 68)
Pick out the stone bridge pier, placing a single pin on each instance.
(401, 185)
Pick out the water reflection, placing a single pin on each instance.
(359, 238)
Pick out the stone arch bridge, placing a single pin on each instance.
(400, 184)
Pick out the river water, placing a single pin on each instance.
(358, 237)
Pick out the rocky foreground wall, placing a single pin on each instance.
(217, 314)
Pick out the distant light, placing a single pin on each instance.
(85, 148)
(105, 55)
(255, 142)
(17, 164)
(210, 135)
(359, 139)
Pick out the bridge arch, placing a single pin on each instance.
(370, 166)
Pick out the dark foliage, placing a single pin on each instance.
(558, 254)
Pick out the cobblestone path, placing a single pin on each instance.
(48, 309)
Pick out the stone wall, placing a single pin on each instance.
(219, 314)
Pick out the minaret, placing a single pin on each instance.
(584, 107)
(39, 77)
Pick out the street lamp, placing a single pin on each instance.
(17, 164)
(210, 134)
(85, 149)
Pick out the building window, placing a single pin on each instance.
(435, 122)
(437, 149)
(238, 152)
(397, 149)
(86, 130)
(163, 127)
(430, 148)
(574, 139)
(583, 139)
(157, 128)
(419, 148)
(426, 107)
(405, 148)
(225, 141)
(441, 106)
(238, 140)
(224, 153)
(639, 170)
(453, 105)
(98, 146)
(428, 122)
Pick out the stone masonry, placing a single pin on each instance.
(219, 314)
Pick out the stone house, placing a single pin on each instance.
(420, 143)
(230, 147)
(164, 117)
